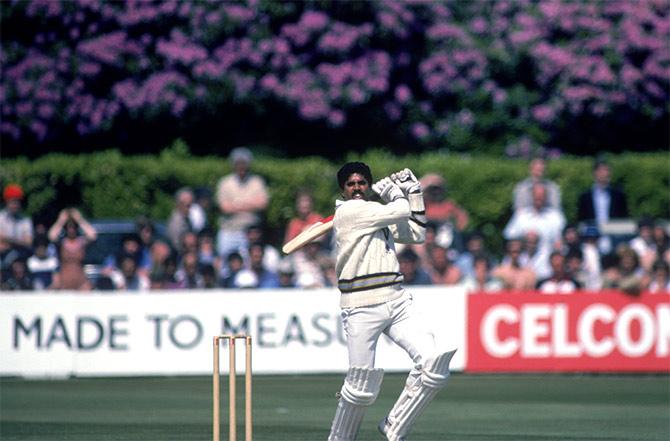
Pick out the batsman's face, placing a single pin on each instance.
(356, 187)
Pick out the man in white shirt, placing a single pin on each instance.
(373, 300)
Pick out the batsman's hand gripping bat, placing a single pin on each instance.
(310, 234)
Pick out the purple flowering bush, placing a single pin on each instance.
(503, 77)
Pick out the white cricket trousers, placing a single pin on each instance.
(398, 320)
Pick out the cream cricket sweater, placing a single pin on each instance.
(365, 233)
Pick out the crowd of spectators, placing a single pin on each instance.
(217, 240)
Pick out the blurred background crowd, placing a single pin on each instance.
(215, 238)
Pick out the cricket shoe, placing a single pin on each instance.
(384, 426)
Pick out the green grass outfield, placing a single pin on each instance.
(300, 408)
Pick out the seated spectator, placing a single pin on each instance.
(570, 240)
(560, 281)
(411, 269)
(242, 198)
(271, 257)
(574, 264)
(447, 214)
(643, 244)
(146, 232)
(43, 267)
(234, 264)
(662, 243)
(127, 277)
(474, 246)
(207, 255)
(198, 211)
(660, 277)
(168, 278)
(160, 252)
(265, 277)
(180, 222)
(533, 257)
(16, 229)
(305, 216)
(72, 248)
(130, 246)
(18, 278)
(309, 264)
(591, 258)
(511, 272)
(286, 274)
(421, 249)
(188, 275)
(523, 191)
(441, 269)
(208, 276)
(189, 243)
(624, 272)
(546, 221)
(481, 279)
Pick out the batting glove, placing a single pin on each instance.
(406, 180)
(387, 190)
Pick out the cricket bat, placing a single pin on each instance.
(310, 234)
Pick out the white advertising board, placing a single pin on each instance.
(170, 333)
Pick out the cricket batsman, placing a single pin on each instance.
(373, 300)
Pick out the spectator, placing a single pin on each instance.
(160, 253)
(571, 240)
(411, 269)
(662, 243)
(286, 274)
(546, 221)
(474, 246)
(308, 264)
(188, 275)
(441, 269)
(207, 255)
(511, 272)
(535, 258)
(602, 201)
(242, 198)
(591, 258)
(189, 243)
(523, 191)
(130, 246)
(128, 278)
(197, 213)
(481, 279)
(265, 277)
(208, 276)
(271, 257)
(18, 278)
(72, 248)
(624, 272)
(234, 264)
(179, 222)
(421, 249)
(169, 277)
(146, 232)
(660, 277)
(16, 230)
(574, 264)
(450, 217)
(560, 281)
(43, 267)
(305, 216)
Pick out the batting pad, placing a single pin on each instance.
(360, 390)
(419, 391)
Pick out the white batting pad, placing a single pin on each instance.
(420, 389)
(360, 390)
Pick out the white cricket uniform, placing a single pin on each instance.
(373, 300)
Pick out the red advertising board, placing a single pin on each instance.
(587, 332)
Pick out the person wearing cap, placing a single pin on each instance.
(242, 197)
(16, 230)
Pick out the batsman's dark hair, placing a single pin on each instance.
(353, 167)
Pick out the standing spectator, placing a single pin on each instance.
(180, 222)
(305, 216)
(72, 248)
(242, 198)
(602, 201)
(441, 269)
(43, 267)
(16, 230)
(523, 191)
(411, 269)
(511, 272)
(481, 279)
(18, 278)
(560, 281)
(546, 221)
(660, 277)
(450, 217)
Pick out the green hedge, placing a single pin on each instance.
(109, 185)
